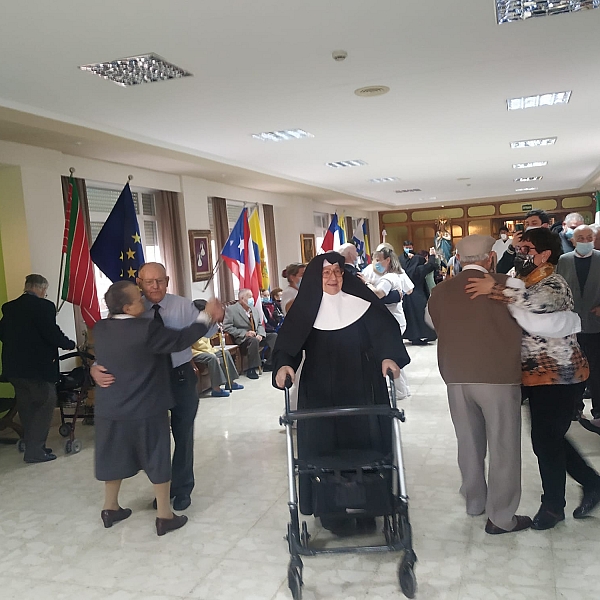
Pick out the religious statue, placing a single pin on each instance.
(443, 241)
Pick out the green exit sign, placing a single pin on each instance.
(526, 207)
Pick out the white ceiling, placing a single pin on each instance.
(267, 65)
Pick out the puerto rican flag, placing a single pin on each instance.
(238, 254)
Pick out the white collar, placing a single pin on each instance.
(123, 316)
(475, 268)
(339, 310)
(577, 255)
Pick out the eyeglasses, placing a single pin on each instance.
(526, 249)
(327, 273)
(158, 282)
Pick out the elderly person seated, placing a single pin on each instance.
(221, 368)
(554, 369)
(349, 340)
(243, 322)
(132, 415)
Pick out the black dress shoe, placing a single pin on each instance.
(251, 374)
(165, 525)
(110, 517)
(41, 459)
(182, 501)
(589, 501)
(545, 519)
(47, 450)
(523, 522)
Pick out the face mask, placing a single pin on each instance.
(503, 237)
(407, 250)
(524, 264)
(299, 281)
(379, 268)
(584, 248)
(250, 302)
(533, 227)
(569, 233)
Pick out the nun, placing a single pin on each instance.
(349, 341)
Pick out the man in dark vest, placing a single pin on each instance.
(31, 338)
(484, 388)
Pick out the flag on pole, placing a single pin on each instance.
(328, 240)
(118, 251)
(238, 254)
(359, 241)
(342, 230)
(597, 220)
(79, 286)
(259, 250)
(367, 246)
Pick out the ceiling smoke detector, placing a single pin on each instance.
(339, 55)
(372, 90)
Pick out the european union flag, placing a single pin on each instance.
(118, 248)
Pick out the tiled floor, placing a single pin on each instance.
(53, 545)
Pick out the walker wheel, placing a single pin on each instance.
(21, 446)
(77, 446)
(295, 582)
(407, 579)
(68, 447)
(65, 429)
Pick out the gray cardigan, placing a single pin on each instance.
(590, 323)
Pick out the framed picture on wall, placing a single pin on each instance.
(200, 254)
(307, 246)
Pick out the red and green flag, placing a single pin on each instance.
(79, 286)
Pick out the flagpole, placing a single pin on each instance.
(62, 264)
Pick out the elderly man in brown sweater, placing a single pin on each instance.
(484, 394)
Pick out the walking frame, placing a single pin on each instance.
(396, 525)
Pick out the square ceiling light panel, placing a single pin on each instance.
(529, 165)
(508, 11)
(346, 163)
(539, 100)
(533, 143)
(146, 68)
(282, 136)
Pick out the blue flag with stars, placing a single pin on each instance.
(118, 251)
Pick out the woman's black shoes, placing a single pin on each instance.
(588, 503)
(546, 519)
(110, 517)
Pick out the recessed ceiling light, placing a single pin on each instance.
(146, 68)
(519, 10)
(539, 100)
(346, 163)
(463, 178)
(533, 143)
(409, 191)
(528, 165)
(383, 179)
(525, 189)
(535, 178)
(282, 136)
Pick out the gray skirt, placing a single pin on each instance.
(123, 448)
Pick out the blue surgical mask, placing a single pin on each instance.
(569, 233)
(250, 302)
(407, 250)
(379, 268)
(299, 281)
(584, 248)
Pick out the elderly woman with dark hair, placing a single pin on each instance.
(554, 368)
(349, 340)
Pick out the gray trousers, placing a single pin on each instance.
(253, 346)
(215, 371)
(489, 416)
(36, 401)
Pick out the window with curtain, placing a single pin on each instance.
(101, 201)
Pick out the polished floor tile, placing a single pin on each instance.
(53, 545)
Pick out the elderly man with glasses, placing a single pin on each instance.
(175, 312)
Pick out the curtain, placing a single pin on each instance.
(221, 225)
(82, 333)
(349, 229)
(271, 245)
(172, 239)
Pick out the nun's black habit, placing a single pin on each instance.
(342, 366)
